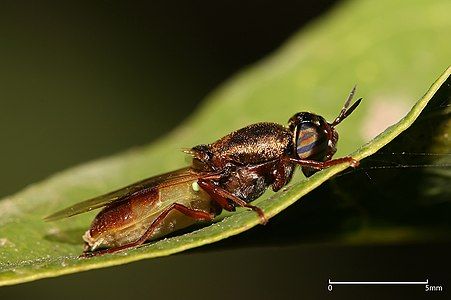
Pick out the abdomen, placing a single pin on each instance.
(126, 221)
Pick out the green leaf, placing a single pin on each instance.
(351, 45)
(405, 195)
(400, 194)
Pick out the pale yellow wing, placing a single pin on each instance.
(164, 181)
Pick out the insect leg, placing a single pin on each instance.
(319, 165)
(221, 196)
(196, 214)
(283, 173)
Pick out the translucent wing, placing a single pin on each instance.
(160, 181)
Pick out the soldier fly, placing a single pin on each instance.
(229, 173)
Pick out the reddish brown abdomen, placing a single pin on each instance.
(126, 221)
(115, 224)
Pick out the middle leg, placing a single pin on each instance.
(222, 197)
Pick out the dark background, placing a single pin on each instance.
(81, 80)
(84, 79)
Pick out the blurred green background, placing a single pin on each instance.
(81, 80)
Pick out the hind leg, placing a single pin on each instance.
(193, 213)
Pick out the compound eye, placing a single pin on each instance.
(311, 141)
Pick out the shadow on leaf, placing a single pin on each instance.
(71, 236)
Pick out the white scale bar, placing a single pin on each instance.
(379, 282)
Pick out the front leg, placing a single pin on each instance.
(283, 173)
(319, 165)
(310, 167)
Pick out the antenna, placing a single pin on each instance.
(345, 111)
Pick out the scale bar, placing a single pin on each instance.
(379, 282)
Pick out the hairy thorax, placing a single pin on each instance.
(253, 144)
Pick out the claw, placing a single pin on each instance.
(354, 163)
